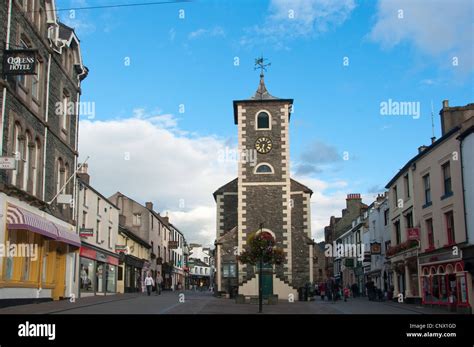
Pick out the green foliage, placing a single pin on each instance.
(263, 246)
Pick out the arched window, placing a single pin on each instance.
(264, 169)
(66, 176)
(59, 174)
(263, 120)
(17, 139)
(35, 165)
(28, 153)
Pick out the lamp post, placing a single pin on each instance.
(260, 278)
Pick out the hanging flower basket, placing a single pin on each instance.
(261, 246)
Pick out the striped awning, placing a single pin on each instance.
(69, 237)
(19, 218)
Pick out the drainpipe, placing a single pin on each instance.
(4, 98)
(46, 116)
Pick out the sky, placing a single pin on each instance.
(162, 79)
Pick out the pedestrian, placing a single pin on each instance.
(159, 282)
(149, 283)
(322, 291)
(346, 293)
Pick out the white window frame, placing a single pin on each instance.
(269, 120)
(255, 171)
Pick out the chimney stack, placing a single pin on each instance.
(353, 197)
(422, 148)
(83, 174)
(149, 205)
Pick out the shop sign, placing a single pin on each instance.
(86, 232)
(413, 233)
(19, 62)
(112, 260)
(375, 248)
(101, 257)
(122, 248)
(172, 244)
(88, 253)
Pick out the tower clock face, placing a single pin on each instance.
(263, 145)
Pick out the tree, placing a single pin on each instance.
(261, 249)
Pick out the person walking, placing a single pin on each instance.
(159, 282)
(149, 283)
(347, 292)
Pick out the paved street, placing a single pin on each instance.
(205, 303)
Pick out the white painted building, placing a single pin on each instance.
(379, 240)
(98, 223)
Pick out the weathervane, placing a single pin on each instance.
(260, 64)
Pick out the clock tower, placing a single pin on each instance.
(264, 197)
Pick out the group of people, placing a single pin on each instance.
(333, 291)
(150, 283)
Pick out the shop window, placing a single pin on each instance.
(111, 271)
(87, 275)
(120, 274)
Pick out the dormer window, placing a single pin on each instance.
(263, 121)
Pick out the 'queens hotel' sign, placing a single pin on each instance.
(19, 62)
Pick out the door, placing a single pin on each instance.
(267, 280)
(60, 272)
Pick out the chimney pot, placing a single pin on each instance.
(149, 205)
(445, 103)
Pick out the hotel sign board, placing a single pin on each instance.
(8, 163)
(19, 62)
(172, 244)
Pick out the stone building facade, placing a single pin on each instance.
(264, 197)
(39, 128)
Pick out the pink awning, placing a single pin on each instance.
(67, 236)
(19, 218)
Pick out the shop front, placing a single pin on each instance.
(445, 282)
(41, 253)
(98, 272)
(133, 273)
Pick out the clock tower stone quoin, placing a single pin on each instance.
(264, 193)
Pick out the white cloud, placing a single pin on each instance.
(436, 28)
(201, 33)
(178, 173)
(290, 19)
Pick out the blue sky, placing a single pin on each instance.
(190, 61)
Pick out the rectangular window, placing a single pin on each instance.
(395, 196)
(447, 179)
(65, 111)
(84, 218)
(427, 188)
(36, 79)
(98, 206)
(449, 217)
(398, 238)
(110, 237)
(137, 219)
(386, 216)
(409, 220)
(429, 233)
(84, 202)
(406, 182)
(97, 230)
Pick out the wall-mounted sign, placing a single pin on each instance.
(375, 248)
(122, 248)
(7, 163)
(173, 244)
(413, 233)
(86, 232)
(19, 62)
